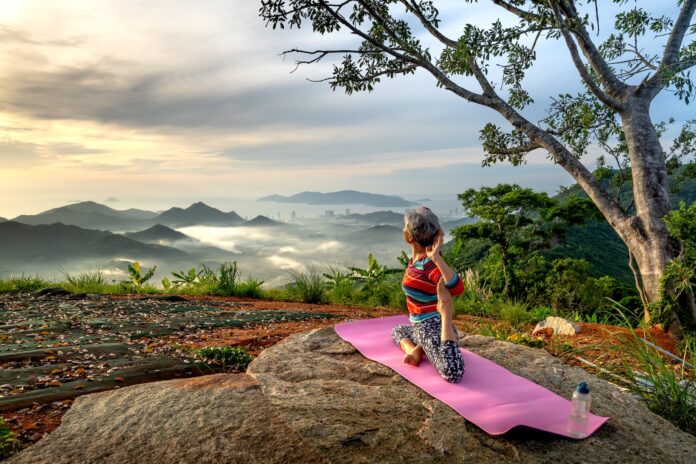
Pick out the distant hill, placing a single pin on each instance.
(198, 214)
(2, 219)
(343, 197)
(91, 215)
(376, 218)
(597, 243)
(378, 234)
(157, 233)
(59, 243)
(263, 221)
(447, 226)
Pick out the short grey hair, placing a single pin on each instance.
(422, 224)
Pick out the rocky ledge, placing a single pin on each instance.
(314, 398)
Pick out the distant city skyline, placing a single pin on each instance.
(169, 101)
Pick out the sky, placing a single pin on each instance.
(167, 102)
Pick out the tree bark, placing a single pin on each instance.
(645, 233)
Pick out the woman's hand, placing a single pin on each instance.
(433, 251)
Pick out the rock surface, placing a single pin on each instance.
(314, 398)
(558, 325)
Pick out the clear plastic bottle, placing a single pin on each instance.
(579, 411)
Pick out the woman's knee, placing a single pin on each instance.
(400, 332)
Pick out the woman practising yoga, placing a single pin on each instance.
(429, 284)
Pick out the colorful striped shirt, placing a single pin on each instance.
(420, 285)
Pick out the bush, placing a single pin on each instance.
(514, 312)
(307, 286)
(666, 389)
(250, 288)
(539, 313)
(234, 357)
(23, 284)
(86, 282)
(339, 284)
(8, 442)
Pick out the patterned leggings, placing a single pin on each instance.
(445, 356)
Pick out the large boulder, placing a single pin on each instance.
(314, 398)
(557, 326)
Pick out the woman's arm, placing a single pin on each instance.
(452, 280)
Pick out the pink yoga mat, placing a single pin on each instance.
(489, 396)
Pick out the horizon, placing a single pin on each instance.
(209, 109)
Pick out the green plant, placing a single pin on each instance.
(307, 285)
(136, 276)
(8, 443)
(666, 389)
(233, 357)
(250, 288)
(339, 284)
(514, 312)
(539, 313)
(87, 282)
(187, 278)
(23, 284)
(225, 280)
(374, 281)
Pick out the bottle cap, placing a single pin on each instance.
(583, 388)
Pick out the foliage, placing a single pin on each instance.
(374, 281)
(233, 357)
(666, 389)
(189, 277)
(137, 279)
(86, 282)
(339, 283)
(539, 313)
(8, 442)
(22, 284)
(514, 312)
(517, 222)
(307, 285)
(678, 283)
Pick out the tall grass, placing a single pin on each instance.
(514, 312)
(307, 285)
(23, 284)
(86, 282)
(667, 388)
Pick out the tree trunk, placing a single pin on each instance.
(646, 234)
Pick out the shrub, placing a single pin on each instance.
(234, 357)
(514, 312)
(375, 281)
(339, 284)
(307, 286)
(539, 313)
(665, 388)
(8, 442)
(250, 288)
(86, 282)
(23, 284)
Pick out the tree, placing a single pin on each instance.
(518, 222)
(620, 78)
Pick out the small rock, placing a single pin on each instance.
(559, 326)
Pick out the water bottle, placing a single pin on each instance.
(579, 411)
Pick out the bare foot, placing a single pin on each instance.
(414, 356)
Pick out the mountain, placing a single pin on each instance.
(157, 233)
(60, 243)
(89, 214)
(343, 197)
(449, 225)
(378, 234)
(2, 219)
(198, 214)
(263, 221)
(376, 218)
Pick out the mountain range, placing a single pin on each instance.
(93, 215)
(343, 197)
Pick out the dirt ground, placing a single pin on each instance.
(598, 344)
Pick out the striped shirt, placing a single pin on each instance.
(420, 285)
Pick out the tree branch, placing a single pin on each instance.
(413, 7)
(669, 63)
(579, 65)
(614, 86)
